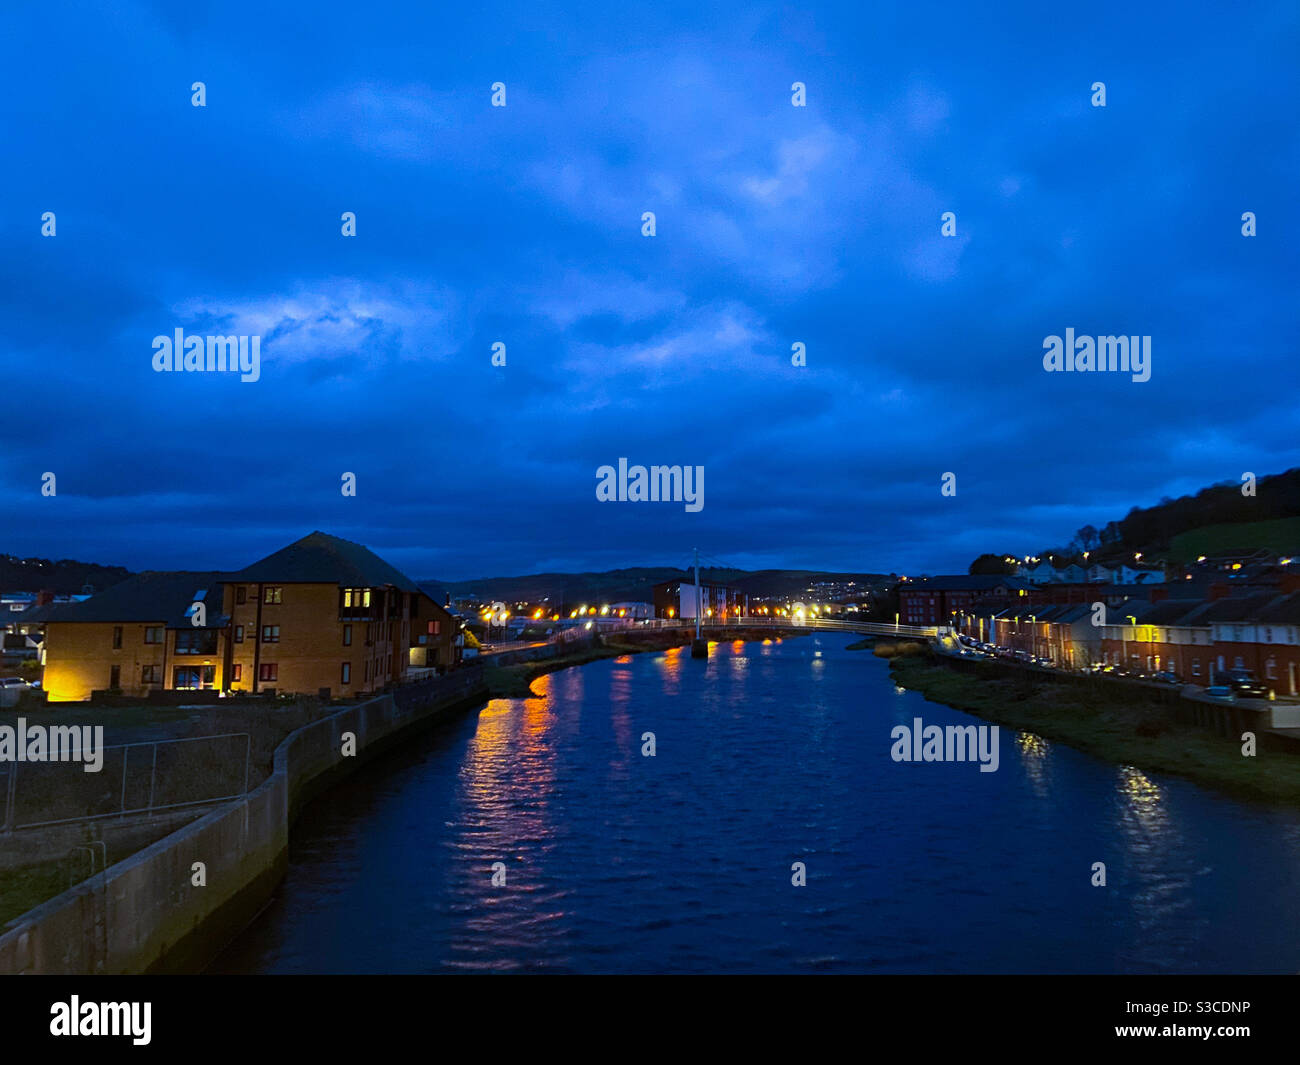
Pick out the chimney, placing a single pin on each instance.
(44, 597)
(1219, 590)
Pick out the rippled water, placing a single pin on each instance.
(768, 754)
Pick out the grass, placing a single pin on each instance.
(27, 886)
(1279, 535)
(181, 772)
(1143, 735)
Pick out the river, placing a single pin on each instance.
(768, 754)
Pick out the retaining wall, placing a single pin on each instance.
(143, 914)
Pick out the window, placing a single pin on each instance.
(153, 634)
(196, 641)
(241, 595)
(1196, 667)
(273, 595)
(270, 633)
(239, 634)
(1268, 635)
(356, 597)
(151, 675)
(1239, 663)
(347, 635)
(115, 675)
(268, 671)
(367, 671)
(1270, 669)
(347, 673)
(236, 673)
(117, 640)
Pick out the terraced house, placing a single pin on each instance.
(321, 614)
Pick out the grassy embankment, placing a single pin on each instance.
(1141, 734)
(513, 682)
(182, 773)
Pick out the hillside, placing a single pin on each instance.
(636, 584)
(1215, 520)
(64, 577)
(1280, 536)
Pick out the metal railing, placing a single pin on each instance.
(66, 788)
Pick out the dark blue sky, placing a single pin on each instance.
(522, 224)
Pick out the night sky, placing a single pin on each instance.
(522, 224)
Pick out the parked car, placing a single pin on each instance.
(1244, 684)
(1167, 676)
(1221, 691)
(13, 682)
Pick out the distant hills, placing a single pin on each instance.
(635, 584)
(1219, 519)
(64, 577)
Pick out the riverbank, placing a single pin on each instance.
(1144, 735)
(514, 681)
(173, 905)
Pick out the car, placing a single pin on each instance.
(1244, 684)
(13, 682)
(1167, 676)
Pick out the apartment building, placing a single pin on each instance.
(320, 614)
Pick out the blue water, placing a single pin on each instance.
(768, 754)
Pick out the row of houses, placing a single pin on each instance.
(321, 615)
(1197, 639)
(1195, 628)
(1042, 571)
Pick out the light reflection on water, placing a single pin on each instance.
(767, 754)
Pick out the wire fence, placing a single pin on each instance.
(135, 778)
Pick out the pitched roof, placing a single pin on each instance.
(1173, 612)
(1284, 611)
(1242, 608)
(323, 559)
(161, 597)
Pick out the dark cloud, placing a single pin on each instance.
(775, 225)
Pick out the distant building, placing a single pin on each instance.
(676, 599)
(632, 610)
(943, 600)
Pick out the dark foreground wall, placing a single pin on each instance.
(144, 914)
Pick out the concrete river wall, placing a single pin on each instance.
(144, 914)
